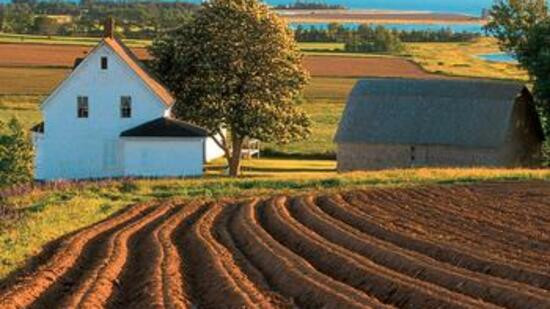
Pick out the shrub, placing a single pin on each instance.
(16, 155)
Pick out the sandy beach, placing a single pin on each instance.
(376, 16)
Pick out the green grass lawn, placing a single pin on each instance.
(25, 108)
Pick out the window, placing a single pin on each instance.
(125, 107)
(82, 107)
(104, 63)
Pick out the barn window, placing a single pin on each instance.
(104, 63)
(125, 107)
(82, 107)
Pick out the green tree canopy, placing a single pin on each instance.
(16, 154)
(523, 29)
(235, 67)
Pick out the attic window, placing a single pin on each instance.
(126, 107)
(82, 107)
(104, 63)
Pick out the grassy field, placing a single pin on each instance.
(460, 59)
(64, 40)
(33, 219)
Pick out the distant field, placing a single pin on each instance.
(460, 59)
(32, 55)
(340, 66)
(29, 71)
(62, 40)
(29, 81)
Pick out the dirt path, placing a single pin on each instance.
(417, 247)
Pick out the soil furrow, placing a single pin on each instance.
(203, 254)
(251, 273)
(397, 204)
(288, 273)
(355, 270)
(450, 231)
(336, 207)
(29, 287)
(490, 289)
(97, 284)
(438, 215)
(142, 282)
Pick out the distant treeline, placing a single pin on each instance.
(338, 33)
(310, 5)
(135, 19)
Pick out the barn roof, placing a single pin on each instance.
(471, 113)
(165, 127)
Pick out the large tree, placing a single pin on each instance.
(522, 28)
(235, 68)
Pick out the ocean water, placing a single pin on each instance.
(470, 7)
(499, 57)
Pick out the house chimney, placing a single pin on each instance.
(109, 28)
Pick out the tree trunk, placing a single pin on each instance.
(236, 154)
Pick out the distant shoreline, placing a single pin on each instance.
(378, 17)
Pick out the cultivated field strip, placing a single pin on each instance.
(374, 248)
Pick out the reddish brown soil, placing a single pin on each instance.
(338, 66)
(40, 55)
(478, 246)
(46, 55)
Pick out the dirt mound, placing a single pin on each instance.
(483, 246)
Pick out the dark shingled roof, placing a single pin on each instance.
(39, 128)
(165, 127)
(471, 113)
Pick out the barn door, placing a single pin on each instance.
(418, 156)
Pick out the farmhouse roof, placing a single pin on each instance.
(471, 113)
(133, 62)
(165, 127)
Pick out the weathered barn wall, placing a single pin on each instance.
(376, 157)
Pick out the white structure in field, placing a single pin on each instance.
(110, 118)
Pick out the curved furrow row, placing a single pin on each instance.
(215, 279)
(412, 213)
(506, 208)
(526, 198)
(500, 292)
(428, 215)
(491, 210)
(223, 236)
(95, 287)
(144, 282)
(287, 272)
(355, 270)
(30, 286)
(477, 218)
(338, 208)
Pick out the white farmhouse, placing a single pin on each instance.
(110, 118)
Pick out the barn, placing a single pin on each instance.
(402, 123)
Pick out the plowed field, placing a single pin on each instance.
(482, 246)
(41, 55)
